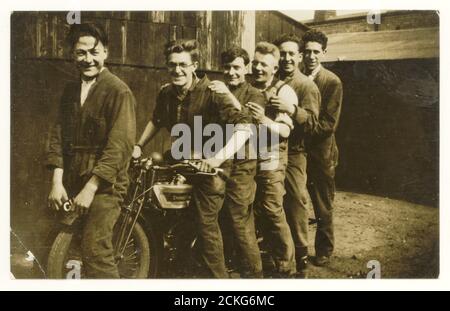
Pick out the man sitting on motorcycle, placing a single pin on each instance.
(183, 101)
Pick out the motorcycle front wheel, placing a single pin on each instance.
(65, 259)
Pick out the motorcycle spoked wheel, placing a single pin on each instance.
(65, 260)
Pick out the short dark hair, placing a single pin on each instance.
(86, 29)
(314, 35)
(289, 37)
(265, 47)
(179, 46)
(234, 52)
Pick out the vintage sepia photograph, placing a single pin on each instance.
(298, 144)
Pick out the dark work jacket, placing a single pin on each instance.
(199, 101)
(96, 138)
(323, 148)
(306, 118)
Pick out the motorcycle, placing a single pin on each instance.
(153, 237)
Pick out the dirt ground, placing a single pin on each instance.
(402, 237)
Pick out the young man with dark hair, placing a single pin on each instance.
(305, 117)
(271, 172)
(90, 147)
(241, 186)
(181, 101)
(323, 151)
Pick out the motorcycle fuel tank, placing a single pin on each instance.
(172, 196)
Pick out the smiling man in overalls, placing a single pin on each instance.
(90, 148)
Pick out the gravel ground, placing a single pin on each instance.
(402, 237)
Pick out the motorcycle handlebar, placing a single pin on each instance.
(187, 165)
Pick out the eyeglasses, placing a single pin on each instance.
(173, 66)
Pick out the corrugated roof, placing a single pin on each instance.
(383, 45)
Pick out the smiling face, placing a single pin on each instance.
(234, 72)
(264, 67)
(290, 56)
(181, 68)
(89, 56)
(313, 55)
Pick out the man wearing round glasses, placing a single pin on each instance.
(183, 101)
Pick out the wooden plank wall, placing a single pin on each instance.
(136, 38)
(271, 24)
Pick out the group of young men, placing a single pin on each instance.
(288, 93)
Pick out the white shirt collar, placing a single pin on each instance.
(85, 87)
(314, 73)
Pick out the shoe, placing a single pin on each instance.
(302, 263)
(322, 261)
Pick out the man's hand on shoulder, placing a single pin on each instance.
(219, 87)
(282, 105)
(257, 112)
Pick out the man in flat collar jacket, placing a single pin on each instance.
(90, 148)
(305, 116)
(323, 151)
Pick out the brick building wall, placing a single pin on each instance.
(393, 20)
(415, 19)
